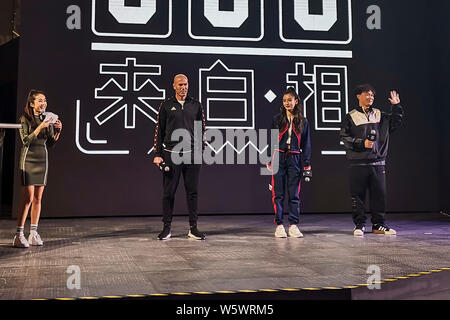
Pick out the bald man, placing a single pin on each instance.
(178, 112)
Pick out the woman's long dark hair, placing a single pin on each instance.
(299, 119)
(28, 110)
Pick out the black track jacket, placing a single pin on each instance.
(172, 116)
(357, 127)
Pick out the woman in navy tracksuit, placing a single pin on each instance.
(294, 160)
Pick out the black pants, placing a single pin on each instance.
(374, 179)
(171, 179)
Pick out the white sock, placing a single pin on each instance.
(33, 228)
(19, 230)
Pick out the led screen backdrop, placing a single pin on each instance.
(107, 65)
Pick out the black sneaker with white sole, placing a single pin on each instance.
(383, 229)
(195, 234)
(165, 233)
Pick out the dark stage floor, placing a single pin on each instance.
(120, 257)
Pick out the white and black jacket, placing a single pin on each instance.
(357, 126)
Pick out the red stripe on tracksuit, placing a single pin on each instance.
(273, 187)
(280, 135)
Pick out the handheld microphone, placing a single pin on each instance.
(307, 174)
(372, 135)
(164, 167)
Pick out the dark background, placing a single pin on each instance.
(409, 54)
(9, 58)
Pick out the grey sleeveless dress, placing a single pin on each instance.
(34, 155)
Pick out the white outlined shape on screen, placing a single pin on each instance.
(341, 103)
(285, 39)
(130, 84)
(88, 136)
(208, 84)
(270, 96)
(219, 70)
(132, 35)
(246, 51)
(77, 137)
(301, 77)
(209, 118)
(314, 84)
(333, 153)
(331, 92)
(315, 22)
(326, 74)
(325, 120)
(226, 19)
(200, 37)
(131, 14)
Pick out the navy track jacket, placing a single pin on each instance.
(300, 142)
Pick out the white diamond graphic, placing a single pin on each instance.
(270, 96)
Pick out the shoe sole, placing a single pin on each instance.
(35, 244)
(166, 237)
(19, 245)
(296, 236)
(32, 243)
(299, 235)
(281, 236)
(190, 235)
(383, 233)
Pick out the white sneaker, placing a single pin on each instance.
(294, 232)
(280, 232)
(35, 239)
(20, 241)
(358, 231)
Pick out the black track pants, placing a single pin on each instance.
(171, 179)
(374, 179)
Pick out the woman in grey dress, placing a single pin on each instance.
(36, 135)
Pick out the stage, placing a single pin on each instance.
(120, 258)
